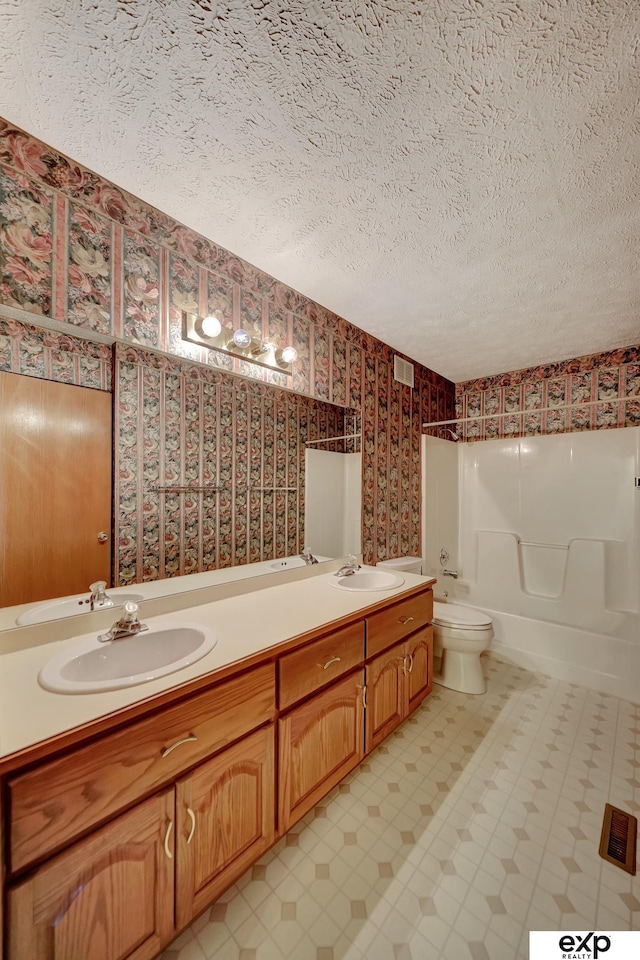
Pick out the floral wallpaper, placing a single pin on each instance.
(235, 447)
(79, 250)
(595, 392)
(48, 355)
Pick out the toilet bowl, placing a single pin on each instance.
(460, 635)
(409, 564)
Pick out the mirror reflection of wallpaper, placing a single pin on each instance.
(237, 446)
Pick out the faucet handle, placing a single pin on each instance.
(130, 612)
(98, 597)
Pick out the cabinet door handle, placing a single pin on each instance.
(178, 743)
(364, 697)
(405, 619)
(167, 848)
(193, 824)
(410, 663)
(330, 661)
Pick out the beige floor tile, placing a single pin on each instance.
(475, 822)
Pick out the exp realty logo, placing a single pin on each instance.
(584, 945)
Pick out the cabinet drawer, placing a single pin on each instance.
(397, 621)
(320, 662)
(61, 799)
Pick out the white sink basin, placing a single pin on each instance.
(287, 563)
(90, 666)
(367, 580)
(70, 607)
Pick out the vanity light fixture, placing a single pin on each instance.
(241, 339)
(210, 332)
(287, 355)
(210, 327)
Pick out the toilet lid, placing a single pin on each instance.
(454, 615)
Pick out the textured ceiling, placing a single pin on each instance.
(458, 177)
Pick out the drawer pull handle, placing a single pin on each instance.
(178, 743)
(405, 619)
(330, 661)
(167, 848)
(410, 663)
(193, 825)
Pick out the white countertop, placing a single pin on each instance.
(168, 587)
(245, 625)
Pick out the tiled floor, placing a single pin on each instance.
(478, 820)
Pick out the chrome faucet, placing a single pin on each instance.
(451, 573)
(127, 626)
(349, 568)
(308, 557)
(98, 597)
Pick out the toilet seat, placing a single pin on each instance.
(454, 615)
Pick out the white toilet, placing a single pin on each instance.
(460, 635)
(410, 564)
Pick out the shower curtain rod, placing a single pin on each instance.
(515, 413)
(346, 436)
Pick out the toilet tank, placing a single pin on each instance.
(408, 564)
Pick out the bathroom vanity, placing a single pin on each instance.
(135, 816)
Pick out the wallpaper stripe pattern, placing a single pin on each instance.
(603, 390)
(78, 249)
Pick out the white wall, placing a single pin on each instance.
(549, 546)
(440, 505)
(333, 507)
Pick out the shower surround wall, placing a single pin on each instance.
(549, 547)
(94, 260)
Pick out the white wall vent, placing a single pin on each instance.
(403, 371)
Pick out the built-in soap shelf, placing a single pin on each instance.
(543, 566)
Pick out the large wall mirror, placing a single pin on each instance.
(182, 470)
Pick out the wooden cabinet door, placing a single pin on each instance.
(109, 897)
(320, 741)
(418, 667)
(385, 695)
(225, 820)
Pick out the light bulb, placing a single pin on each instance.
(289, 354)
(211, 326)
(241, 338)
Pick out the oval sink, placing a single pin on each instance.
(70, 607)
(287, 563)
(367, 580)
(91, 666)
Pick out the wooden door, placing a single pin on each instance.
(55, 488)
(320, 741)
(225, 820)
(109, 897)
(385, 695)
(419, 667)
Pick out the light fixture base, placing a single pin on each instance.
(255, 349)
